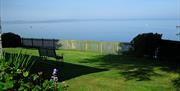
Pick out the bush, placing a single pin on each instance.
(169, 51)
(146, 44)
(15, 76)
(10, 40)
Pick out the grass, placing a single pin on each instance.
(88, 71)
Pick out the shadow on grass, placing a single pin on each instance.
(176, 82)
(65, 70)
(130, 67)
(139, 73)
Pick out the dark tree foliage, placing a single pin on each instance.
(170, 51)
(145, 44)
(11, 40)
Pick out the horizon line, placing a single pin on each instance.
(81, 20)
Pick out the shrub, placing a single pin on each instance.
(11, 40)
(146, 44)
(169, 51)
(14, 76)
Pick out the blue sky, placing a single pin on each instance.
(88, 9)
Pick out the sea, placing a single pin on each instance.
(98, 30)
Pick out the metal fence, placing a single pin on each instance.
(37, 43)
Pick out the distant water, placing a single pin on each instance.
(102, 30)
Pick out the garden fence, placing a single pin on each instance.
(80, 45)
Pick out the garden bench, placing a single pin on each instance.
(49, 52)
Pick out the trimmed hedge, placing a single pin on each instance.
(10, 40)
(145, 44)
(169, 50)
(151, 45)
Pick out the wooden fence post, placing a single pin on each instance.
(86, 46)
(101, 45)
(32, 42)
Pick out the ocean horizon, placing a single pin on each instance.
(123, 30)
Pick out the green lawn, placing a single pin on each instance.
(87, 71)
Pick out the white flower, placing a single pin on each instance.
(54, 71)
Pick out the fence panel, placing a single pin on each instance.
(81, 45)
(94, 46)
(37, 43)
